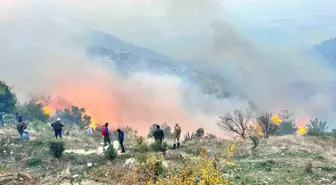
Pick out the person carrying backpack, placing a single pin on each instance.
(121, 140)
(22, 128)
(106, 135)
(58, 128)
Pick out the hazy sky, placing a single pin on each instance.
(262, 40)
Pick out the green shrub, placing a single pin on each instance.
(317, 127)
(141, 157)
(143, 148)
(34, 161)
(56, 148)
(141, 145)
(309, 168)
(156, 146)
(111, 153)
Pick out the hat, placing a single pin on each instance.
(58, 119)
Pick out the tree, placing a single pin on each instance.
(317, 127)
(266, 124)
(167, 131)
(8, 99)
(236, 122)
(75, 115)
(200, 132)
(287, 126)
(33, 110)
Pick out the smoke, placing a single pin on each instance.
(42, 49)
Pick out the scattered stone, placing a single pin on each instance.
(89, 164)
(75, 176)
(130, 162)
(115, 144)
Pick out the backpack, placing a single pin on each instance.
(24, 125)
(103, 131)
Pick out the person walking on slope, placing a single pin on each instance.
(177, 135)
(1, 120)
(22, 128)
(106, 135)
(158, 135)
(58, 128)
(121, 140)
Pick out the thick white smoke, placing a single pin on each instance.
(42, 49)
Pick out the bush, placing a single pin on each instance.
(8, 99)
(286, 128)
(111, 153)
(265, 122)
(33, 110)
(156, 146)
(309, 168)
(34, 161)
(141, 145)
(334, 132)
(57, 148)
(317, 127)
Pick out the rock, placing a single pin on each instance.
(130, 162)
(115, 144)
(89, 164)
(74, 176)
(165, 164)
(100, 150)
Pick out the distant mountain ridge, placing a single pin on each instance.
(129, 57)
(328, 50)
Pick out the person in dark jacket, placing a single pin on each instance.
(1, 120)
(121, 140)
(19, 117)
(158, 135)
(58, 128)
(106, 135)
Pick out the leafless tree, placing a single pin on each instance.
(236, 122)
(266, 124)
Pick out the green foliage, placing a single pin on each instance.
(286, 128)
(111, 153)
(75, 115)
(333, 132)
(255, 140)
(34, 161)
(141, 157)
(317, 127)
(156, 146)
(265, 122)
(8, 99)
(167, 131)
(309, 168)
(33, 111)
(56, 148)
(141, 146)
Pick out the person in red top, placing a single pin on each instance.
(106, 135)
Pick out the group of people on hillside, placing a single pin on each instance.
(57, 126)
(158, 135)
(22, 127)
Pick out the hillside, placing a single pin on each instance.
(277, 161)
